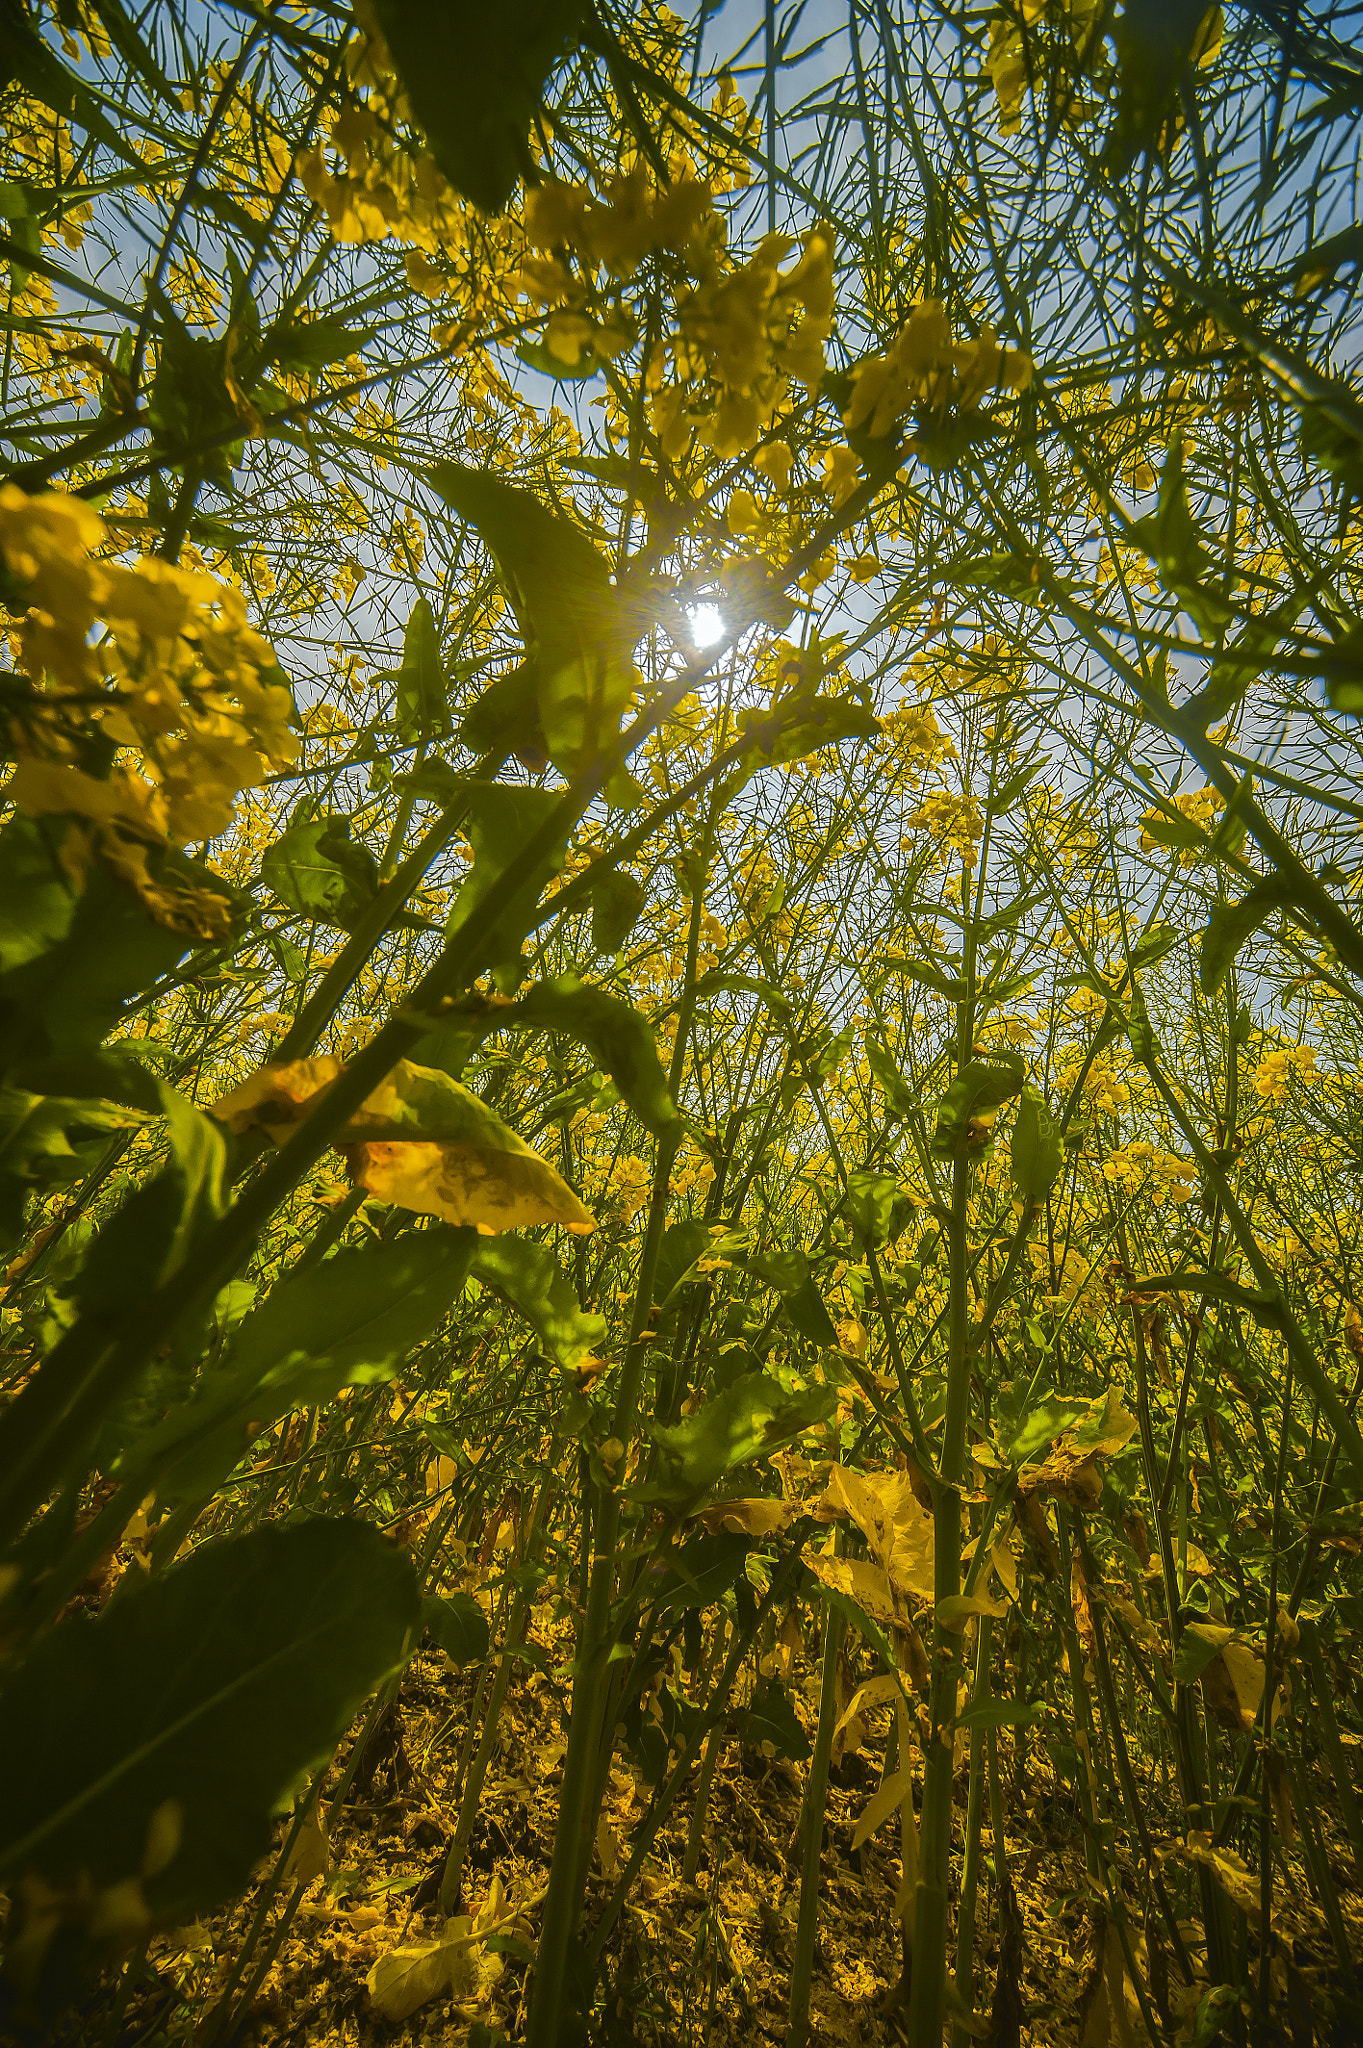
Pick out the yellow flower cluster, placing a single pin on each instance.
(176, 673)
(915, 737)
(744, 330)
(1141, 1165)
(627, 1188)
(924, 367)
(1201, 807)
(952, 819)
(1031, 40)
(1275, 1070)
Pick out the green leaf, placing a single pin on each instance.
(1037, 1150)
(1198, 1644)
(1043, 1426)
(1173, 539)
(1172, 829)
(1229, 925)
(579, 627)
(348, 1322)
(700, 1571)
(801, 723)
(749, 1419)
(805, 1307)
(45, 1141)
(980, 1087)
(474, 77)
(814, 1060)
(190, 406)
(317, 870)
(900, 1099)
(999, 1714)
(422, 696)
(1234, 670)
(25, 56)
(311, 344)
(504, 718)
(617, 905)
(618, 1037)
(155, 1231)
(771, 1717)
(458, 1624)
(869, 1205)
(147, 1749)
(530, 1277)
(683, 1243)
(71, 959)
(499, 820)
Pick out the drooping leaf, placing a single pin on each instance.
(347, 1322)
(580, 629)
(715, 983)
(475, 77)
(1037, 1149)
(618, 1037)
(1198, 1644)
(1170, 535)
(966, 1110)
(142, 1753)
(1230, 925)
(751, 1418)
(422, 710)
(458, 1624)
(771, 1717)
(1157, 41)
(899, 1097)
(617, 904)
(683, 1243)
(420, 1140)
(530, 1277)
(808, 1312)
(499, 820)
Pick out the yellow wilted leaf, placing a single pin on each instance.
(882, 1804)
(407, 1978)
(419, 1140)
(898, 1531)
(310, 1855)
(865, 1583)
(1231, 1872)
(759, 1515)
(875, 1693)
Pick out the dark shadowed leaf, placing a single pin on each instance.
(143, 1753)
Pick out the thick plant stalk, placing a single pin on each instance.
(928, 1992)
(970, 1875)
(591, 1720)
(816, 1795)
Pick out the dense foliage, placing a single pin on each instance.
(681, 996)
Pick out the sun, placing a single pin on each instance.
(707, 624)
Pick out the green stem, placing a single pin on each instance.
(928, 1991)
(970, 1874)
(816, 1797)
